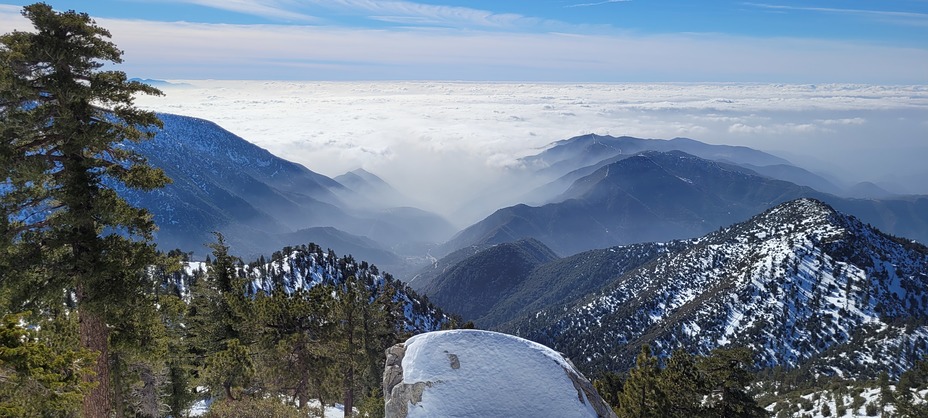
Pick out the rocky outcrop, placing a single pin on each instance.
(482, 373)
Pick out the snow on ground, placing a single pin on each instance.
(853, 405)
(483, 373)
(332, 411)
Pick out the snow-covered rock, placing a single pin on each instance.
(484, 374)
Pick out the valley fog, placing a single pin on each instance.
(454, 147)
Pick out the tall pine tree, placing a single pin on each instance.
(682, 385)
(727, 373)
(222, 327)
(641, 397)
(62, 120)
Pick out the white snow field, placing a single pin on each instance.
(488, 374)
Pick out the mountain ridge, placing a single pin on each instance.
(794, 283)
(662, 196)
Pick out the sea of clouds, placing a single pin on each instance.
(446, 143)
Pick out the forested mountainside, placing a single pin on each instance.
(304, 324)
(300, 268)
(261, 202)
(524, 285)
(472, 286)
(800, 284)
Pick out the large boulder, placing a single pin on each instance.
(484, 374)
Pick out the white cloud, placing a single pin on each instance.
(394, 11)
(776, 129)
(193, 50)
(845, 121)
(448, 142)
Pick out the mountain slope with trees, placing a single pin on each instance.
(261, 202)
(801, 284)
(473, 285)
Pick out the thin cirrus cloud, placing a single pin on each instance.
(397, 12)
(270, 9)
(407, 12)
(189, 50)
(887, 16)
(598, 3)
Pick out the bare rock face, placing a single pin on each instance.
(397, 401)
(482, 373)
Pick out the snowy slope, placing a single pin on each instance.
(488, 374)
(305, 266)
(801, 284)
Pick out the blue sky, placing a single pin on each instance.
(531, 40)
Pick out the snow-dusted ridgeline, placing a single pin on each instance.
(305, 266)
(800, 284)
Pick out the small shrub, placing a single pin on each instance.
(806, 404)
(857, 402)
(252, 408)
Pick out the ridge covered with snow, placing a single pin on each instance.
(801, 284)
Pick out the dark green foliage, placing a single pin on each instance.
(727, 373)
(641, 396)
(609, 387)
(221, 325)
(253, 408)
(62, 120)
(277, 337)
(683, 385)
(38, 379)
(687, 386)
(295, 360)
(366, 324)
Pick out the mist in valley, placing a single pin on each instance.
(454, 148)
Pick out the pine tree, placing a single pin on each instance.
(62, 119)
(886, 393)
(223, 329)
(38, 379)
(727, 373)
(640, 397)
(366, 326)
(296, 341)
(682, 385)
(609, 387)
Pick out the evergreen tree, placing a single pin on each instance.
(886, 393)
(366, 325)
(38, 378)
(296, 341)
(682, 385)
(641, 397)
(222, 326)
(727, 373)
(609, 387)
(62, 119)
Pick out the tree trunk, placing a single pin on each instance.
(94, 336)
(349, 392)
